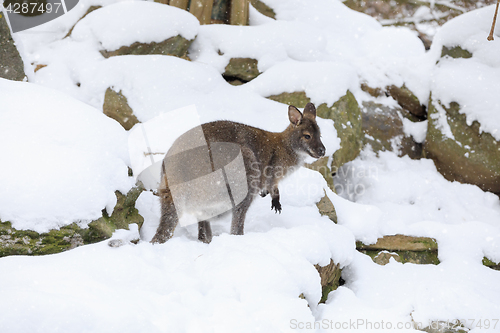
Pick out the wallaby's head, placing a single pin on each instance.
(304, 132)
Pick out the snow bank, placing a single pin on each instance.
(236, 283)
(62, 160)
(269, 43)
(409, 191)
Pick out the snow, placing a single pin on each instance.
(473, 82)
(418, 130)
(63, 161)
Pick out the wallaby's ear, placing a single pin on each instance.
(294, 115)
(310, 111)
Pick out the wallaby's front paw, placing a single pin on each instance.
(275, 204)
(264, 193)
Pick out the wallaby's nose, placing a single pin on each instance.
(321, 151)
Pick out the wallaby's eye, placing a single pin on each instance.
(307, 136)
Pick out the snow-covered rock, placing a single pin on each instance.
(464, 123)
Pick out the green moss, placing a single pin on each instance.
(491, 264)
(298, 99)
(330, 278)
(414, 257)
(401, 243)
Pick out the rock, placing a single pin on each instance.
(347, 120)
(330, 278)
(491, 264)
(175, 46)
(455, 326)
(115, 106)
(401, 243)
(11, 64)
(325, 207)
(383, 129)
(407, 100)
(244, 69)
(27, 242)
(412, 108)
(263, 8)
(470, 157)
(346, 116)
(455, 52)
(417, 250)
(384, 257)
(298, 99)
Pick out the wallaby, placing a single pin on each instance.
(267, 158)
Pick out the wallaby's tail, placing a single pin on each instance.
(169, 218)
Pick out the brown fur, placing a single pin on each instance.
(268, 157)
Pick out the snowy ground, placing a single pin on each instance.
(65, 159)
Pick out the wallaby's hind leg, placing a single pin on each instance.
(168, 219)
(239, 213)
(204, 232)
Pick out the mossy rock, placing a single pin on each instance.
(330, 278)
(414, 257)
(175, 46)
(405, 249)
(347, 119)
(27, 242)
(298, 99)
(116, 107)
(471, 157)
(244, 69)
(455, 52)
(11, 63)
(401, 243)
(491, 264)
